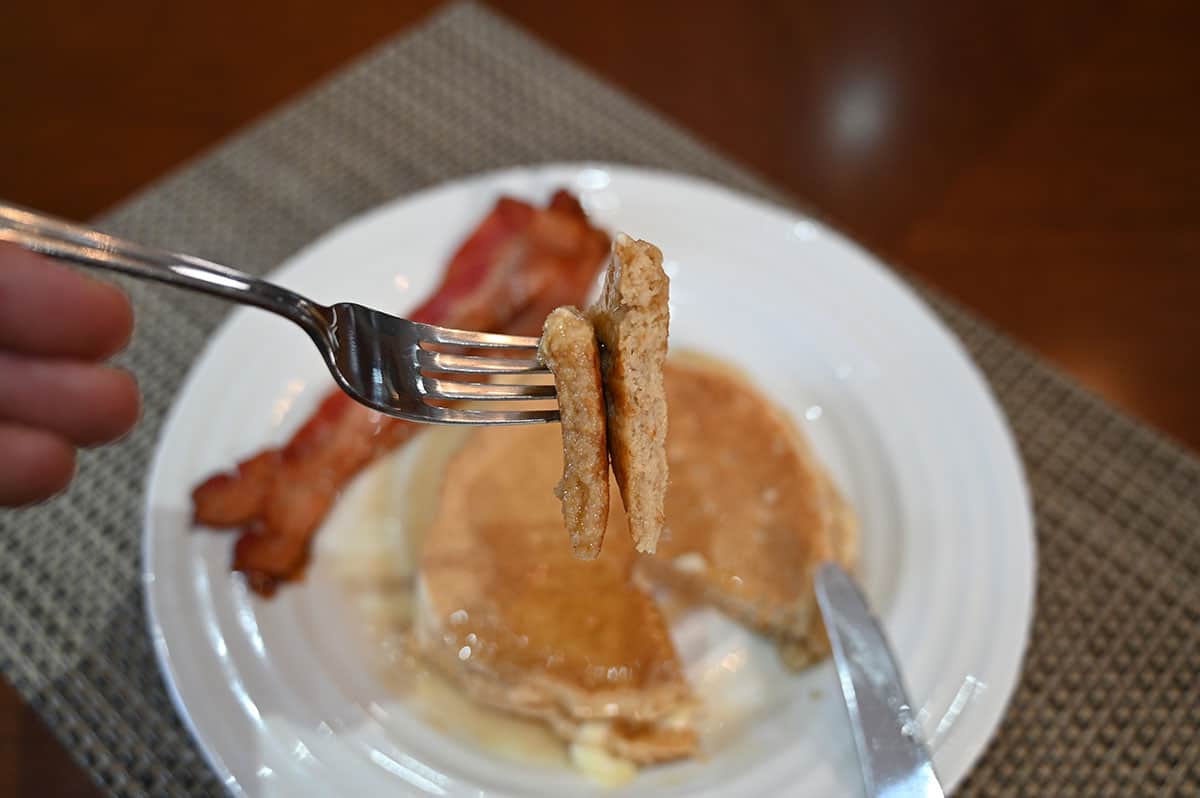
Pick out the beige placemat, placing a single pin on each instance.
(1110, 700)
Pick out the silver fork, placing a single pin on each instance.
(388, 363)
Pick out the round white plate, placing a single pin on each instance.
(281, 700)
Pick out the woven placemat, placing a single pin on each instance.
(1109, 703)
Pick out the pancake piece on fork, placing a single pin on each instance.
(632, 323)
(569, 349)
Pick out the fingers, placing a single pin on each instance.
(49, 309)
(53, 321)
(36, 464)
(82, 402)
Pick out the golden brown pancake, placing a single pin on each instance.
(569, 349)
(507, 612)
(631, 321)
(749, 512)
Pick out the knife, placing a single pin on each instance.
(894, 760)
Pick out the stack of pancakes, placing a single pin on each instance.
(507, 611)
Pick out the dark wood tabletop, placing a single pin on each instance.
(1036, 161)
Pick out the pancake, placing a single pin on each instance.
(569, 349)
(519, 623)
(749, 512)
(631, 321)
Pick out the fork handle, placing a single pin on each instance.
(58, 238)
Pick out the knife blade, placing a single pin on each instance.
(893, 758)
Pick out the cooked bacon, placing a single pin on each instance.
(519, 264)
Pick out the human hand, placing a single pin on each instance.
(56, 328)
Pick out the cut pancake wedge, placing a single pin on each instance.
(750, 513)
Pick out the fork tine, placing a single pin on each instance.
(465, 364)
(446, 389)
(454, 415)
(445, 335)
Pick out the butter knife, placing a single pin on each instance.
(894, 760)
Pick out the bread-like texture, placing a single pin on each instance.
(750, 513)
(632, 323)
(569, 349)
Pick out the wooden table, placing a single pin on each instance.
(1036, 161)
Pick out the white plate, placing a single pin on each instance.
(282, 702)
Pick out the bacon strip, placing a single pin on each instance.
(519, 264)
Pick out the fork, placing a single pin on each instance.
(393, 365)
